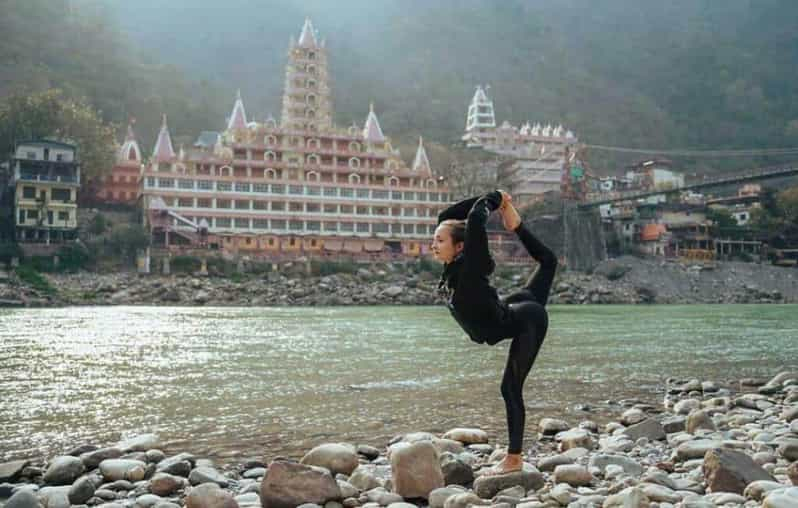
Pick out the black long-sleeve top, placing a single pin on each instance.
(473, 302)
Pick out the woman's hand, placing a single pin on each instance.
(506, 198)
(510, 216)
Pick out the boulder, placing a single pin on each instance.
(758, 490)
(633, 416)
(122, 469)
(551, 426)
(165, 484)
(575, 439)
(467, 436)
(55, 497)
(789, 450)
(204, 474)
(140, 443)
(464, 500)
(699, 419)
(674, 424)
(728, 470)
(455, 471)
(601, 461)
(290, 484)
(92, 459)
(572, 474)
(209, 495)
(24, 498)
(438, 497)
(9, 471)
(82, 490)
(416, 469)
(630, 497)
(781, 500)
(64, 470)
(338, 458)
(548, 464)
(648, 428)
(695, 449)
(529, 478)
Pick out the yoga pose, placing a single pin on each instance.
(461, 243)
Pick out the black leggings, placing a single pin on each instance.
(527, 328)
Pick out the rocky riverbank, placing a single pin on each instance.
(624, 280)
(705, 445)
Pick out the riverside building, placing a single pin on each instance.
(536, 154)
(303, 186)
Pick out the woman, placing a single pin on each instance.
(461, 243)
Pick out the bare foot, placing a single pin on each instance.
(510, 464)
(510, 216)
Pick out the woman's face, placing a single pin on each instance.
(443, 248)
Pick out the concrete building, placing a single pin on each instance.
(121, 185)
(45, 178)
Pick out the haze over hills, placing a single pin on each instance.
(683, 73)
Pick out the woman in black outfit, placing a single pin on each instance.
(461, 243)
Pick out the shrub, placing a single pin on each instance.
(74, 257)
(98, 224)
(9, 250)
(617, 272)
(327, 267)
(30, 276)
(185, 264)
(127, 241)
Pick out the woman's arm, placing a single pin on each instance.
(476, 249)
(458, 211)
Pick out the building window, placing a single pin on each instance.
(242, 204)
(346, 192)
(33, 214)
(278, 206)
(330, 208)
(396, 229)
(204, 203)
(313, 225)
(362, 227)
(224, 186)
(314, 191)
(295, 207)
(269, 174)
(242, 187)
(347, 227)
(330, 226)
(295, 225)
(166, 183)
(362, 210)
(29, 192)
(433, 196)
(21, 216)
(295, 189)
(270, 140)
(185, 202)
(354, 163)
(223, 222)
(223, 203)
(409, 196)
(242, 223)
(260, 205)
(204, 185)
(185, 184)
(150, 181)
(313, 208)
(363, 193)
(379, 194)
(260, 187)
(63, 216)
(278, 188)
(278, 224)
(393, 182)
(31, 155)
(380, 228)
(63, 195)
(330, 191)
(347, 209)
(408, 229)
(421, 196)
(269, 156)
(354, 147)
(260, 223)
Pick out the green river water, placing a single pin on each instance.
(261, 382)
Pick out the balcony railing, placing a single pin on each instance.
(38, 177)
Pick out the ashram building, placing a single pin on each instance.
(121, 185)
(537, 155)
(300, 186)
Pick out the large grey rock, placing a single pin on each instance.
(200, 475)
(290, 484)
(455, 471)
(82, 490)
(529, 478)
(630, 497)
(123, 469)
(64, 470)
(55, 497)
(209, 495)
(695, 449)
(572, 474)
(337, 457)
(674, 424)
(789, 450)
(790, 413)
(633, 416)
(602, 460)
(659, 493)
(364, 478)
(416, 469)
(464, 500)
(699, 419)
(92, 459)
(140, 443)
(648, 428)
(759, 489)
(792, 473)
(467, 435)
(24, 498)
(548, 464)
(575, 439)
(438, 497)
(9, 471)
(781, 500)
(148, 501)
(551, 426)
(731, 471)
(165, 484)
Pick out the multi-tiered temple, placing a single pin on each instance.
(537, 153)
(303, 186)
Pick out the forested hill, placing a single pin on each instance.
(638, 73)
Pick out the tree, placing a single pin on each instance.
(50, 114)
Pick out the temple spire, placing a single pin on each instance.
(372, 132)
(307, 39)
(238, 118)
(421, 162)
(129, 151)
(163, 151)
